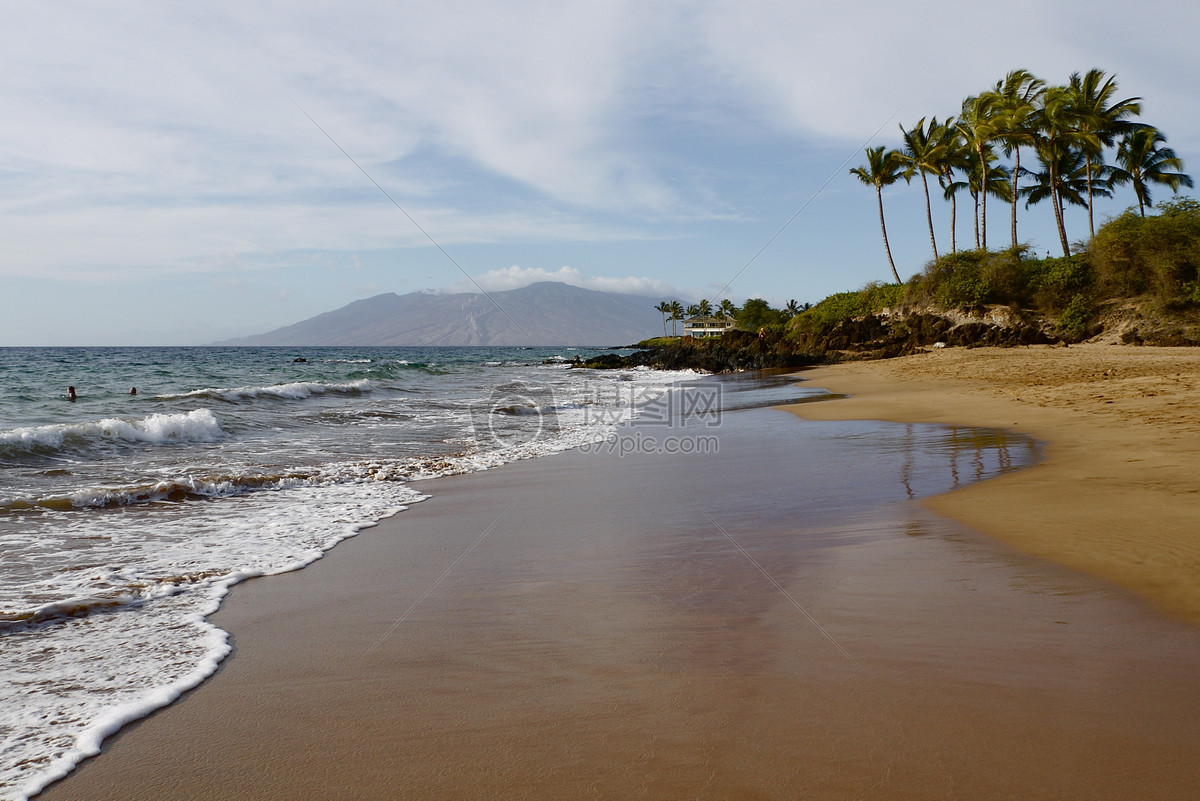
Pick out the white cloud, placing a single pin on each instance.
(515, 277)
(158, 140)
(841, 69)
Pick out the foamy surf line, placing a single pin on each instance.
(146, 650)
(131, 646)
(199, 425)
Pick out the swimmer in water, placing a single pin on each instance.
(71, 394)
(133, 391)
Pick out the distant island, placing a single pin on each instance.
(544, 313)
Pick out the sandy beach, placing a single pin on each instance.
(750, 624)
(1118, 495)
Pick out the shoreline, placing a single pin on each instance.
(597, 631)
(1116, 496)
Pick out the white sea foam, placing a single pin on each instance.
(122, 629)
(87, 675)
(199, 425)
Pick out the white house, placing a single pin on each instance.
(706, 326)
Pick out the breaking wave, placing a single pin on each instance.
(298, 390)
(199, 425)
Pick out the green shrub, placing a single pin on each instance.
(877, 296)
(871, 299)
(1073, 322)
(757, 314)
(1005, 277)
(1157, 255)
(1192, 293)
(954, 280)
(1054, 283)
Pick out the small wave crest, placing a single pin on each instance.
(174, 490)
(60, 611)
(396, 368)
(199, 425)
(297, 390)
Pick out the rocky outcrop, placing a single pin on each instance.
(892, 333)
(875, 336)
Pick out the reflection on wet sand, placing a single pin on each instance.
(986, 452)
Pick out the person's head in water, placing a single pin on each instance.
(133, 391)
(71, 393)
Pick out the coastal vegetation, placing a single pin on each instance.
(1024, 142)
(1136, 282)
(1138, 269)
(1084, 142)
(754, 315)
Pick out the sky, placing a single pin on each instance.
(178, 174)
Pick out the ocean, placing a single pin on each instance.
(125, 518)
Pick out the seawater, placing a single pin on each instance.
(125, 518)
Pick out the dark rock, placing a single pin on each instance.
(605, 361)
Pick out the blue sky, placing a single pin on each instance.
(160, 182)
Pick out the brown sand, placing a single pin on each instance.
(599, 631)
(1118, 495)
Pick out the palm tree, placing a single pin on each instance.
(792, 308)
(980, 125)
(676, 314)
(975, 181)
(1141, 161)
(953, 156)
(1057, 135)
(1017, 95)
(704, 307)
(1064, 181)
(728, 308)
(882, 169)
(664, 308)
(1099, 123)
(922, 155)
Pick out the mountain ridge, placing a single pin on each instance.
(543, 313)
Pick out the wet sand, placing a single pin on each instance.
(1119, 493)
(775, 621)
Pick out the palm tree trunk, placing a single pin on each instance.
(1016, 172)
(953, 216)
(975, 197)
(949, 178)
(953, 224)
(929, 215)
(883, 226)
(1091, 220)
(1058, 211)
(983, 175)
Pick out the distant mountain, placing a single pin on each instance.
(546, 313)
